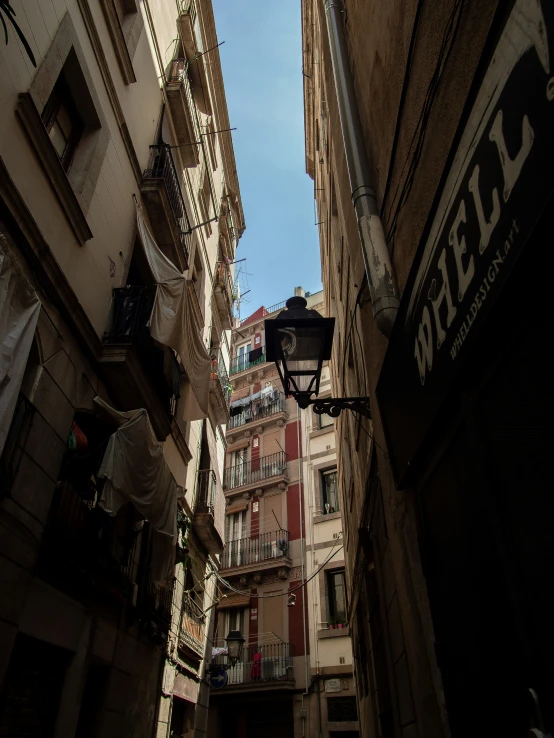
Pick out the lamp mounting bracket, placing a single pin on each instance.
(333, 406)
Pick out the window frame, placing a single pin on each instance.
(325, 473)
(332, 611)
(61, 97)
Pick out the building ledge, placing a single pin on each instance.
(280, 562)
(347, 725)
(256, 426)
(327, 516)
(276, 481)
(275, 685)
(323, 431)
(335, 633)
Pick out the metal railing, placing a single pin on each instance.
(206, 491)
(247, 360)
(131, 310)
(267, 311)
(162, 166)
(79, 543)
(265, 663)
(256, 470)
(219, 373)
(254, 414)
(263, 547)
(192, 626)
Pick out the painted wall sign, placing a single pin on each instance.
(499, 182)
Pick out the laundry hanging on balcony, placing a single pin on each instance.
(172, 324)
(19, 310)
(135, 471)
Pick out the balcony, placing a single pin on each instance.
(220, 389)
(263, 472)
(134, 366)
(248, 360)
(223, 294)
(264, 667)
(191, 637)
(209, 512)
(258, 415)
(197, 69)
(181, 105)
(263, 313)
(163, 198)
(81, 554)
(263, 551)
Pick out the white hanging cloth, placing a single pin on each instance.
(19, 311)
(171, 323)
(135, 471)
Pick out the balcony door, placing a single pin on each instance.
(239, 468)
(243, 356)
(236, 535)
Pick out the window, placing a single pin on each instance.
(329, 491)
(210, 138)
(204, 200)
(341, 709)
(63, 122)
(324, 421)
(336, 590)
(235, 620)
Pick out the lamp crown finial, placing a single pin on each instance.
(296, 302)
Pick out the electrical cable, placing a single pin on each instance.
(280, 594)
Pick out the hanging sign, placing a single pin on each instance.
(500, 180)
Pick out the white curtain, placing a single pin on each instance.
(19, 311)
(135, 471)
(172, 324)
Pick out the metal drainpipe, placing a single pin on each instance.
(374, 247)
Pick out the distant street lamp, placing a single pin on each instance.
(235, 642)
(299, 340)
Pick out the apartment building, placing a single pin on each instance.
(281, 492)
(428, 139)
(331, 703)
(120, 214)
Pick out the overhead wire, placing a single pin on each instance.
(278, 594)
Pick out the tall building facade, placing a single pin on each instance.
(281, 581)
(426, 137)
(120, 214)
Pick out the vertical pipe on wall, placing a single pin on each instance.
(375, 254)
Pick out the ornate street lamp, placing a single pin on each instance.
(299, 340)
(235, 642)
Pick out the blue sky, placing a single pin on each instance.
(262, 69)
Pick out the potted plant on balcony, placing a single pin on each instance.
(283, 545)
(341, 624)
(332, 622)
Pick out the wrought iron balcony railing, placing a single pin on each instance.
(219, 373)
(266, 311)
(265, 663)
(192, 626)
(162, 166)
(206, 492)
(252, 414)
(78, 546)
(247, 360)
(254, 471)
(131, 310)
(263, 547)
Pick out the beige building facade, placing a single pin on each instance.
(120, 214)
(281, 581)
(426, 138)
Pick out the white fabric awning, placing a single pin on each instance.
(19, 311)
(135, 471)
(172, 324)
